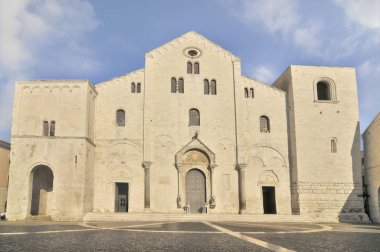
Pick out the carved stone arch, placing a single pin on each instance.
(260, 151)
(195, 144)
(259, 159)
(268, 177)
(123, 151)
(195, 155)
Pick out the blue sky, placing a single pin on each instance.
(98, 40)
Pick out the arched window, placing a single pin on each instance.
(206, 87)
(133, 87)
(120, 117)
(196, 68)
(45, 128)
(52, 128)
(246, 93)
(264, 124)
(252, 92)
(194, 117)
(213, 87)
(323, 91)
(333, 146)
(138, 88)
(173, 85)
(189, 67)
(181, 87)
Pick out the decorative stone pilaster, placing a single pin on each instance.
(242, 196)
(146, 166)
(212, 201)
(179, 196)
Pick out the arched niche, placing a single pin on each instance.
(42, 187)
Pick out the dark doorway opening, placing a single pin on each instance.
(42, 186)
(121, 200)
(269, 200)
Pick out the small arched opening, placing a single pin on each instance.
(42, 187)
(323, 91)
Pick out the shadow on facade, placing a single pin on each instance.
(353, 208)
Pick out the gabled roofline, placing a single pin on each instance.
(121, 76)
(377, 117)
(233, 56)
(263, 84)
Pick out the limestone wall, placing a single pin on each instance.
(314, 123)
(265, 153)
(166, 118)
(371, 139)
(71, 105)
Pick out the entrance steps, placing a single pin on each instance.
(116, 217)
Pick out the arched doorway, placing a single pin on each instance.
(42, 186)
(196, 190)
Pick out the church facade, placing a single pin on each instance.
(188, 133)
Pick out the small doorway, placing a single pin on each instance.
(269, 200)
(121, 200)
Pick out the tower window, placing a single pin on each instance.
(206, 86)
(189, 67)
(323, 91)
(264, 124)
(133, 87)
(52, 128)
(181, 85)
(246, 93)
(333, 146)
(252, 92)
(173, 85)
(138, 88)
(120, 117)
(196, 68)
(213, 87)
(45, 128)
(194, 117)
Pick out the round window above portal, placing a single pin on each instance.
(192, 52)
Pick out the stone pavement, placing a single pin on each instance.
(187, 236)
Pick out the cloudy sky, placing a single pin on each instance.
(98, 40)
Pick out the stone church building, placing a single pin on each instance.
(188, 133)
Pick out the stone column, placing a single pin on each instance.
(179, 196)
(212, 198)
(146, 166)
(242, 197)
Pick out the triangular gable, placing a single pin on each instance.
(187, 36)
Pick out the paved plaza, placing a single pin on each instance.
(187, 236)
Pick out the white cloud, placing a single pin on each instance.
(277, 16)
(366, 13)
(44, 34)
(308, 38)
(263, 74)
(369, 68)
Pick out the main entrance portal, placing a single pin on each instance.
(121, 201)
(196, 190)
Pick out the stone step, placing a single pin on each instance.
(104, 217)
(39, 218)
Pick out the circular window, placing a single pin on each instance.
(192, 52)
